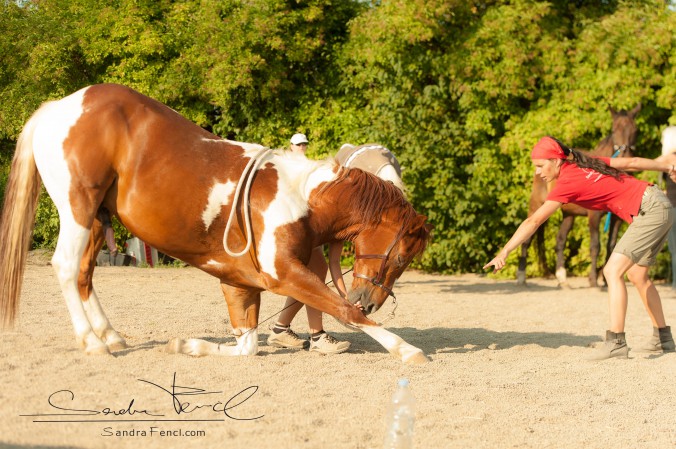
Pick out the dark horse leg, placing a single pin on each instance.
(542, 258)
(594, 246)
(613, 232)
(566, 226)
(523, 261)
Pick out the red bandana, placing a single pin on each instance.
(547, 148)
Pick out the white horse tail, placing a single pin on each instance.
(16, 224)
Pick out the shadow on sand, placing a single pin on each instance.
(450, 340)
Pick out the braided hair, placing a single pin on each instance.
(583, 160)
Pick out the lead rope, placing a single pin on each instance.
(247, 176)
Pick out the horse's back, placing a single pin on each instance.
(108, 144)
(112, 124)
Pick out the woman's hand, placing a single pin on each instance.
(498, 262)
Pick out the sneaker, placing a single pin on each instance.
(614, 346)
(326, 344)
(662, 341)
(287, 339)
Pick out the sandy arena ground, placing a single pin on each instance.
(507, 370)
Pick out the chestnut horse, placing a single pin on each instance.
(620, 143)
(108, 150)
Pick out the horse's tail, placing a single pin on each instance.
(16, 224)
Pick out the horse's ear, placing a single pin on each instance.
(635, 111)
(420, 223)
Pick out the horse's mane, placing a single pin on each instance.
(375, 196)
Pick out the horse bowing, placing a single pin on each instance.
(176, 186)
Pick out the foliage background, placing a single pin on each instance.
(459, 90)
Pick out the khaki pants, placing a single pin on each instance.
(646, 235)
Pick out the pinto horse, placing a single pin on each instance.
(240, 212)
(620, 143)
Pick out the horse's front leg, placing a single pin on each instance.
(307, 288)
(594, 246)
(244, 307)
(561, 237)
(523, 262)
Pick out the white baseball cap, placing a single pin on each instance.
(299, 138)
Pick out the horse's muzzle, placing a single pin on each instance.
(361, 296)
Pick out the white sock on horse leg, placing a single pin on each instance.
(101, 325)
(395, 345)
(247, 344)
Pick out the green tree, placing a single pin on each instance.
(461, 91)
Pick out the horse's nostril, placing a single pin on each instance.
(370, 308)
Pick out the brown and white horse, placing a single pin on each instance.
(620, 143)
(242, 213)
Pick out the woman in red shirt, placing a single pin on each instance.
(599, 184)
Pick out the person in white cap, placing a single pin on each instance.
(282, 336)
(299, 143)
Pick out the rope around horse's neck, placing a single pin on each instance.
(247, 177)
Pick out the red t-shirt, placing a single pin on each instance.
(593, 190)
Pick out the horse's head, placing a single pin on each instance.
(382, 253)
(623, 135)
(386, 231)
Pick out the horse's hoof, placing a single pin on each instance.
(520, 278)
(417, 359)
(97, 350)
(175, 345)
(117, 345)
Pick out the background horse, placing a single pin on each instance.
(620, 143)
(107, 149)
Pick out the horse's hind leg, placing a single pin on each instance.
(97, 318)
(73, 239)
